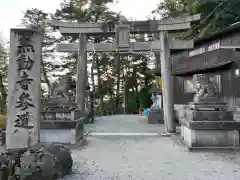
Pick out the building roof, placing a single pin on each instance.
(234, 28)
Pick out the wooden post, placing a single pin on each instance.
(23, 122)
(167, 84)
(81, 73)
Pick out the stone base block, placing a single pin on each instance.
(237, 116)
(194, 138)
(155, 117)
(64, 132)
(208, 106)
(209, 115)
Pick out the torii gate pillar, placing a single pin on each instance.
(81, 73)
(167, 84)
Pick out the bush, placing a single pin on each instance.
(3, 120)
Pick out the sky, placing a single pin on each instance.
(11, 11)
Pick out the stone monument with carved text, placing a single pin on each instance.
(23, 119)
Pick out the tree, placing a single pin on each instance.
(110, 85)
(96, 11)
(215, 15)
(3, 78)
(40, 21)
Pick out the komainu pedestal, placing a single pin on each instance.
(61, 110)
(207, 122)
(61, 121)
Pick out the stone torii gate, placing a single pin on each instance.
(122, 45)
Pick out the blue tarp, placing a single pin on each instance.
(145, 111)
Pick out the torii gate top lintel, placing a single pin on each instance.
(150, 26)
(122, 31)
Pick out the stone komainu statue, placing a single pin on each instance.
(205, 90)
(62, 87)
(155, 100)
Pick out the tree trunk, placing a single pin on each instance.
(99, 80)
(101, 104)
(135, 87)
(125, 91)
(136, 96)
(87, 90)
(92, 75)
(118, 83)
(93, 92)
(46, 80)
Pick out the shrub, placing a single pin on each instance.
(3, 120)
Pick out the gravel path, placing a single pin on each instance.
(123, 124)
(147, 158)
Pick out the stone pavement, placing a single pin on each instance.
(146, 157)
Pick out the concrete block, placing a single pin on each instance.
(64, 136)
(155, 117)
(211, 125)
(209, 138)
(237, 116)
(65, 132)
(192, 115)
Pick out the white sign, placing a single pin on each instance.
(237, 72)
(214, 46)
(197, 51)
